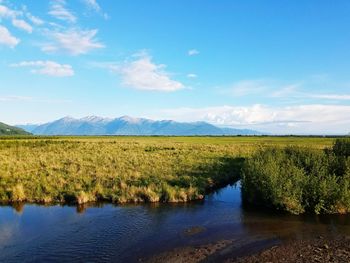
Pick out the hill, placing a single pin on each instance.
(11, 130)
(126, 125)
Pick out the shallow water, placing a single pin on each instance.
(33, 233)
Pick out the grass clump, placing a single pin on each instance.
(299, 180)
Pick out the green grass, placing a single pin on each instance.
(126, 169)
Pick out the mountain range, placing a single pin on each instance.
(126, 125)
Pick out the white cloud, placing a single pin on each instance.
(7, 39)
(113, 67)
(286, 91)
(94, 6)
(224, 115)
(21, 24)
(302, 119)
(193, 52)
(330, 96)
(59, 11)
(247, 87)
(291, 91)
(15, 98)
(143, 74)
(263, 87)
(74, 42)
(6, 12)
(192, 76)
(275, 89)
(49, 68)
(35, 20)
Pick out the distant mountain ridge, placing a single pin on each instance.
(125, 125)
(11, 130)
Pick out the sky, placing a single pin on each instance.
(281, 67)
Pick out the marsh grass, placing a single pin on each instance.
(125, 169)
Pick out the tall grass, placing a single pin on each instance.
(125, 169)
(119, 171)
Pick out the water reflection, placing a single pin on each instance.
(105, 232)
(18, 207)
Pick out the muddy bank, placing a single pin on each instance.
(190, 254)
(316, 250)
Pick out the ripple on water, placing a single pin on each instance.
(125, 233)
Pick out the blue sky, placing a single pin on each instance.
(277, 66)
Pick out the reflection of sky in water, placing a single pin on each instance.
(118, 233)
(9, 225)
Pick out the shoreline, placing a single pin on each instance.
(320, 249)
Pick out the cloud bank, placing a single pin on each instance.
(301, 119)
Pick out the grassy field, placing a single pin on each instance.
(126, 169)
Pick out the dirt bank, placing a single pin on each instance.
(316, 250)
(321, 249)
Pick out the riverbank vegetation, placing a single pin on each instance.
(299, 179)
(125, 169)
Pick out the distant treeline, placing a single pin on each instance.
(299, 179)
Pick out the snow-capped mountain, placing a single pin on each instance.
(125, 125)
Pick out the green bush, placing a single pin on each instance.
(341, 147)
(299, 180)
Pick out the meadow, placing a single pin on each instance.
(127, 169)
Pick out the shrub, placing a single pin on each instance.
(341, 147)
(299, 180)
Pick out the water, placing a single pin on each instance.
(104, 233)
